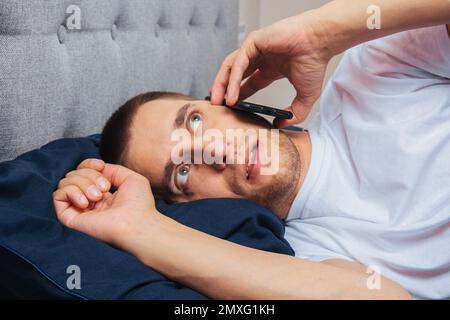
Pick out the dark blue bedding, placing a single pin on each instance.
(36, 250)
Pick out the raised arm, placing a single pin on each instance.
(349, 23)
(299, 48)
(220, 269)
(224, 270)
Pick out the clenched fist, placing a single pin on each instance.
(83, 201)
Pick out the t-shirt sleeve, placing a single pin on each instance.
(314, 241)
(395, 79)
(321, 254)
(425, 49)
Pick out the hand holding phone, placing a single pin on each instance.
(258, 108)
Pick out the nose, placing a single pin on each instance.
(220, 166)
(214, 154)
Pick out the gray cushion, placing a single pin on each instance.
(56, 81)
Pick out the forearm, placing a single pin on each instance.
(224, 270)
(343, 23)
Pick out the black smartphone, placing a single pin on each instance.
(258, 108)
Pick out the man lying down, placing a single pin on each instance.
(363, 192)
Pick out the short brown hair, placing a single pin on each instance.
(116, 132)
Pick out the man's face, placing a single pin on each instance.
(152, 144)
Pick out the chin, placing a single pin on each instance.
(269, 190)
(273, 190)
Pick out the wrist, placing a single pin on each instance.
(338, 28)
(330, 36)
(317, 29)
(143, 233)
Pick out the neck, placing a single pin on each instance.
(302, 142)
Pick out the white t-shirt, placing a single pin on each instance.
(378, 188)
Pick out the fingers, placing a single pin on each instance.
(245, 57)
(95, 164)
(118, 175)
(300, 112)
(96, 178)
(236, 67)
(82, 186)
(81, 189)
(68, 195)
(218, 90)
(63, 200)
(107, 197)
(254, 83)
(221, 81)
(86, 185)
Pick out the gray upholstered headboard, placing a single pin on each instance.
(65, 65)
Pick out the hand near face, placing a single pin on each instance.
(83, 202)
(288, 49)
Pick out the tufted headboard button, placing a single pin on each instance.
(191, 24)
(157, 29)
(62, 32)
(217, 23)
(114, 31)
(100, 54)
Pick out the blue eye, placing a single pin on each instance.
(182, 175)
(195, 121)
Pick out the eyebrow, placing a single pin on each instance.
(181, 115)
(170, 166)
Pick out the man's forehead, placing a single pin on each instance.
(150, 143)
(163, 110)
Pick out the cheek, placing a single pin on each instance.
(205, 183)
(224, 118)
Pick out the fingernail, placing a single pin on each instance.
(102, 183)
(96, 163)
(82, 199)
(93, 191)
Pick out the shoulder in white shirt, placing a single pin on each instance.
(378, 189)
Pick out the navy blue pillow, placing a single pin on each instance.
(36, 250)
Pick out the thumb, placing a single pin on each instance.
(119, 175)
(300, 109)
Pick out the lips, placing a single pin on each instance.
(253, 165)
